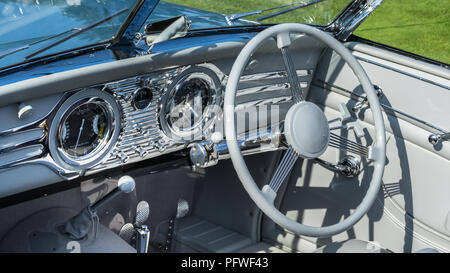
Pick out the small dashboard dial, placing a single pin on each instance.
(84, 129)
(142, 98)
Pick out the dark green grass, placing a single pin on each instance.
(418, 26)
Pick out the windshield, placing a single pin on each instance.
(32, 28)
(27, 25)
(314, 12)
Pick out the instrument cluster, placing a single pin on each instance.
(137, 118)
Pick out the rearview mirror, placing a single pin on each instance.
(166, 29)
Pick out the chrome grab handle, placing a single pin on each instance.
(437, 138)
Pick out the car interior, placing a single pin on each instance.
(275, 140)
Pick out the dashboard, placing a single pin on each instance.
(109, 125)
(76, 123)
(121, 122)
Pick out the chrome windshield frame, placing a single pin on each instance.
(352, 17)
(134, 22)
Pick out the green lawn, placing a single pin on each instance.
(418, 26)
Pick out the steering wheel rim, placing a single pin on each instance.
(377, 151)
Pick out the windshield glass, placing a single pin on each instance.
(26, 26)
(23, 23)
(316, 12)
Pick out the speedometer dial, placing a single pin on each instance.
(185, 109)
(188, 106)
(84, 129)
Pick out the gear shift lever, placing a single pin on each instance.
(125, 184)
(79, 226)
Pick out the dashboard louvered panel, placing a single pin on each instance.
(140, 133)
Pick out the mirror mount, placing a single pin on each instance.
(160, 31)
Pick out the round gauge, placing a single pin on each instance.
(142, 98)
(186, 105)
(185, 108)
(84, 129)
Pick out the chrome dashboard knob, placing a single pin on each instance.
(24, 111)
(198, 155)
(216, 137)
(141, 151)
(123, 157)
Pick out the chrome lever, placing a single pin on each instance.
(349, 166)
(344, 118)
(143, 239)
(365, 102)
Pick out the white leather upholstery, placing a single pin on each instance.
(349, 246)
(261, 248)
(352, 246)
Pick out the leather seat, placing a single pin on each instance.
(349, 246)
(261, 247)
(352, 246)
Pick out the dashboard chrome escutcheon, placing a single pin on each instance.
(187, 107)
(142, 97)
(84, 129)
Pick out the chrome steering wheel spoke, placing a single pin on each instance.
(283, 43)
(347, 145)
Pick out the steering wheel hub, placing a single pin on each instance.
(307, 130)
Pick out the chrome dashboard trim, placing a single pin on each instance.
(10, 142)
(269, 87)
(388, 109)
(85, 95)
(141, 134)
(19, 155)
(214, 77)
(47, 161)
(205, 154)
(403, 72)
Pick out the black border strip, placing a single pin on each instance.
(354, 38)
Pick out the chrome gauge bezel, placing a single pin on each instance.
(99, 153)
(214, 94)
(103, 142)
(152, 91)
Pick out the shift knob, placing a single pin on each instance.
(126, 184)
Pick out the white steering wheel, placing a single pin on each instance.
(306, 129)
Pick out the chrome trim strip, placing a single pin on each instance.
(301, 73)
(21, 138)
(19, 155)
(386, 108)
(352, 17)
(403, 72)
(263, 88)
